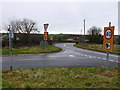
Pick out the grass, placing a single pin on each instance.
(32, 50)
(98, 47)
(61, 78)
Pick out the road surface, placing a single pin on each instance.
(70, 56)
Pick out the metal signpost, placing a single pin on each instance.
(45, 34)
(108, 39)
(11, 36)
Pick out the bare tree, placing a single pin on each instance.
(23, 26)
(94, 31)
(94, 35)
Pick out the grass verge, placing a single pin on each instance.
(98, 47)
(32, 50)
(61, 78)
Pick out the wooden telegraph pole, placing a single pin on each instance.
(84, 31)
(84, 26)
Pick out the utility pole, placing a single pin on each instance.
(84, 26)
(84, 30)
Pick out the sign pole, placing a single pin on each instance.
(45, 45)
(10, 46)
(45, 34)
(107, 58)
(11, 52)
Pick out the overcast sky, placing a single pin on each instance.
(63, 17)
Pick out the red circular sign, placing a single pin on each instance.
(108, 33)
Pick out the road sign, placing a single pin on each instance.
(51, 38)
(108, 38)
(108, 34)
(107, 45)
(45, 36)
(46, 33)
(11, 34)
(45, 27)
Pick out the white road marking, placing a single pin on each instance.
(27, 59)
(94, 57)
(99, 57)
(64, 45)
(92, 51)
(111, 60)
(71, 56)
(90, 57)
(98, 52)
(105, 54)
(104, 58)
(52, 56)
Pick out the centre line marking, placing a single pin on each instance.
(99, 57)
(94, 57)
(90, 56)
(51, 56)
(104, 58)
(111, 60)
(27, 59)
(71, 56)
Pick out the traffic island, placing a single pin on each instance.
(32, 50)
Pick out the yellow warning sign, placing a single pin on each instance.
(108, 38)
(51, 38)
(45, 37)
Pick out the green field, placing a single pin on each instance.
(61, 78)
(32, 50)
(98, 47)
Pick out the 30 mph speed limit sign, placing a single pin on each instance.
(108, 38)
(108, 34)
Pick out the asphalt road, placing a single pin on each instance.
(70, 56)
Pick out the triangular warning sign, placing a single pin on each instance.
(45, 27)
